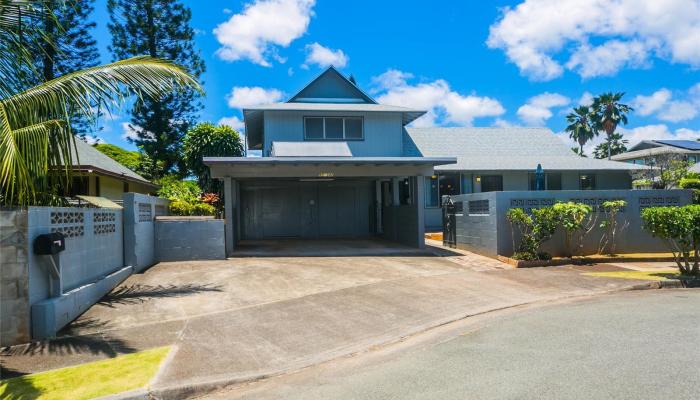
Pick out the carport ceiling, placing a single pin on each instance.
(322, 167)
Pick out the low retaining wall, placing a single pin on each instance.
(482, 226)
(14, 277)
(140, 212)
(189, 238)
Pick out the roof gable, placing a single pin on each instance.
(331, 87)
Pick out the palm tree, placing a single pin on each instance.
(35, 136)
(580, 127)
(609, 113)
(616, 145)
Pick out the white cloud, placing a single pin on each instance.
(444, 105)
(586, 99)
(537, 110)
(678, 111)
(647, 105)
(596, 37)
(243, 96)
(324, 56)
(264, 25)
(234, 122)
(131, 132)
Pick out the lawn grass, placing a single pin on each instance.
(659, 275)
(87, 381)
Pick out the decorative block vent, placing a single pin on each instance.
(145, 214)
(530, 204)
(105, 217)
(69, 223)
(646, 202)
(70, 231)
(104, 229)
(478, 207)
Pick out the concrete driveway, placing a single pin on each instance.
(245, 318)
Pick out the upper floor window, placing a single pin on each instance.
(333, 128)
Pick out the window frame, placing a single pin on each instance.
(344, 118)
(594, 180)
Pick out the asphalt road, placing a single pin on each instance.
(634, 345)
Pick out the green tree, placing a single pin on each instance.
(609, 113)
(159, 28)
(580, 127)
(64, 45)
(616, 145)
(35, 135)
(136, 161)
(209, 140)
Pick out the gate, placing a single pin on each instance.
(449, 222)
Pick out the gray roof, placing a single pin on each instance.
(507, 149)
(310, 149)
(89, 157)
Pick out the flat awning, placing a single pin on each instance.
(323, 167)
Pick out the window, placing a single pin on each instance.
(554, 181)
(491, 183)
(333, 128)
(587, 182)
(449, 185)
(432, 193)
(80, 185)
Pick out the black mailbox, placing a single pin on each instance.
(49, 243)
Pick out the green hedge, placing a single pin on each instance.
(679, 227)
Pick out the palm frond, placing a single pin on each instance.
(107, 84)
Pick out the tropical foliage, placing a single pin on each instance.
(604, 114)
(611, 225)
(580, 127)
(617, 145)
(134, 160)
(35, 134)
(531, 231)
(209, 140)
(174, 188)
(679, 227)
(609, 113)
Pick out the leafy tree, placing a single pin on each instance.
(35, 135)
(136, 161)
(580, 127)
(532, 231)
(63, 45)
(577, 221)
(612, 227)
(159, 28)
(679, 227)
(609, 113)
(208, 140)
(578, 152)
(615, 144)
(174, 188)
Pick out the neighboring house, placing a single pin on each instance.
(96, 174)
(645, 152)
(337, 164)
(505, 159)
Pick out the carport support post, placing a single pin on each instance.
(420, 209)
(229, 207)
(378, 205)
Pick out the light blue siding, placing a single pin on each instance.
(382, 131)
(330, 85)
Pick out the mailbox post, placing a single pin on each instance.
(50, 245)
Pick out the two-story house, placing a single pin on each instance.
(335, 163)
(332, 165)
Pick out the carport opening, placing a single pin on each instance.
(328, 247)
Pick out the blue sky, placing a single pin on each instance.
(488, 63)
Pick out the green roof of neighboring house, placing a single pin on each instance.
(89, 158)
(502, 149)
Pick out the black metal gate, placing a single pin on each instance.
(449, 223)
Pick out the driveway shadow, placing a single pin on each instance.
(138, 293)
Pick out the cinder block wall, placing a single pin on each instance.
(189, 238)
(140, 212)
(489, 233)
(14, 278)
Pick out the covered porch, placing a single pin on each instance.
(323, 198)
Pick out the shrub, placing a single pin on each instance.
(577, 221)
(679, 227)
(611, 225)
(203, 209)
(174, 188)
(533, 231)
(180, 207)
(691, 182)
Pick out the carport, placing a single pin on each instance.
(322, 198)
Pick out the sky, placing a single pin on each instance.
(468, 63)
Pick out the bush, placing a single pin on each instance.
(179, 207)
(533, 231)
(679, 227)
(611, 225)
(203, 209)
(577, 221)
(174, 188)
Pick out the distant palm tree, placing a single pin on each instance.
(609, 113)
(616, 145)
(35, 135)
(578, 151)
(580, 127)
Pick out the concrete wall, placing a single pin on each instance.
(383, 132)
(189, 238)
(14, 278)
(140, 212)
(519, 181)
(489, 233)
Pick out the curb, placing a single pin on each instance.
(669, 284)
